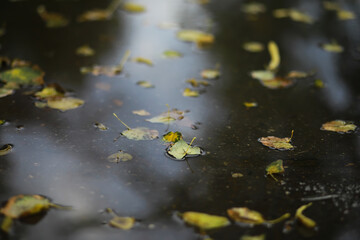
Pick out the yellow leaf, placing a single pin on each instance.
(133, 7)
(275, 167)
(124, 223)
(140, 133)
(204, 221)
(52, 20)
(120, 157)
(190, 93)
(339, 126)
(210, 74)
(275, 56)
(143, 60)
(253, 46)
(64, 104)
(277, 143)
(85, 51)
(307, 222)
(257, 237)
(250, 104)
(141, 112)
(253, 8)
(172, 137)
(145, 84)
(332, 47)
(247, 216)
(195, 36)
(6, 149)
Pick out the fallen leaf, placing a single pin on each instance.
(190, 93)
(172, 137)
(210, 74)
(318, 83)
(257, 237)
(6, 149)
(262, 75)
(332, 6)
(297, 74)
(133, 7)
(332, 47)
(2, 122)
(22, 206)
(100, 126)
(141, 112)
(50, 91)
(247, 216)
(196, 83)
(181, 149)
(253, 8)
(171, 54)
(143, 60)
(253, 46)
(345, 15)
(23, 76)
(277, 143)
(204, 221)
(64, 104)
(250, 104)
(275, 56)
(307, 222)
(237, 175)
(277, 82)
(120, 157)
(293, 14)
(6, 92)
(198, 37)
(145, 84)
(100, 14)
(275, 167)
(339, 126)
(85, 50)
(52, 20)
(140, 133)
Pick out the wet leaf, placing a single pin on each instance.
(143, 60)
(253, 8)
(253, 46)
(210, 74)
(100, 126)
(50, 91)
(120, 157)
(64, 104)
(181, 149)
(94, 15)
(198, 37)
(133, 7)
(171, 54)
(332, 47)
(307, 222)
(262, 75)
(277, 143)
(2, 122)
(247, 216)
(6, 149)
(172, 137)
(237, 175)
(23, 76)
(345, 15)
(173, 116)
(145, 84)
(319, 84)
(140, 133)
(293, 14)
(190, 93)
(6, 92)
(250, 104)
(52, 20)
(332, 6)
(339, 126)
(275, 56)
(141, 112)
(204, 221)
(277, 82)
(297, 74)
(257, 237)
(275, 167)
(85, 50)
(196, 83)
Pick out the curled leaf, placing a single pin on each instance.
(6, 149)
(339, 126)
(204, 221)
(275, 167)
(52, 20)
(124, 223)
(307, 222)
(247, 216)
(120, 157)
(100, 126)
(275, 56)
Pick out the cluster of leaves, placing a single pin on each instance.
(178, 148)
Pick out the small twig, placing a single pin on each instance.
(319, 198)
(129, 128)
(113, 6)
(292, 134)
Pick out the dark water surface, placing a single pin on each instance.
(61, 155)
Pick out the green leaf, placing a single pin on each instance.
(275, 167)
(6, 149)
(64, 104)
(140, 133)
(23, 76)
(181, 149)
(204, 221)
(172, 54)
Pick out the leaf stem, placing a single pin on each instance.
(190, 145)
(123, 60)
(129, 128)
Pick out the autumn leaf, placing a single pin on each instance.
(253, 8)
(204, 221)
(253, 46)
(210, 73)
(145, 84)
(23, 76)
(263, 75)
(275, 56)
(250, 104)
(190, 93)
(124, 223)
(143, 60)
(64, 104)
(277, 143)
(339, 126)
(133, 7)
(171, 54)
(257, 237)
(293, 14)
(6, 149)
(120, 156)
(6, 92)
(332, 47)
(318, 83)
(198, 37)
(172, 137)
(85, 51)
(247, 216)
(275, 167)
(173, 116)
(50, 91)
(52, 20)
(196, 83)
(140, 133)
(181, 149)
(100, 126)
(100, 14)
(141, 112)
(307, 222)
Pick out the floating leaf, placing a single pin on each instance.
(94, 15)
(171, 54)
(145, 84)
(345, 15)
(172, 137)
(257, 237)
(143, 60)
(140, 133)
(275, 56)
(332, 47)
(196, 83)
(253, 46)
(64, 104)
(297, 74)
(23, 76)
(6, 149)
(124, 223)
(237, 175)
(2, 122)
(198, 37)
(204, 221)
(293, 14)
(21, 206)
(318, 83)
(247, 216)
(172, 116)
(210, 74)
(190, 93)
(250, 104)
(277, 82)
(181, 149)
(52, 20)
(332, 6)
(133, 7)
(85, 50)
(263, 75)
(277, 143)
(100, 126)
(141, 112)
(339, 126)
(120, 157)
(6, 92)
(50, 91)
(253, 8)
(275, 167)
(307, 222)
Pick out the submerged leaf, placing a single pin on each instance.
(253, 46)
(120, 157)
(140, 133)
(181, 149)
(210, 74)
(133, 7)
(6, 149)
(23, 76)
(275, 56)
(190, 93)
(332, 47)
(247, 216)
(145, 84)
(172, 137)
(143, 60)
(52, 20)
(198, 37)
(339, 126)
(204, 221)
(253, 8)
(275, 167)
(277, 143)
(141, 112)
(64, 104)
(85, 50)
(172, 54)
(293, 14)
(307, 222)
